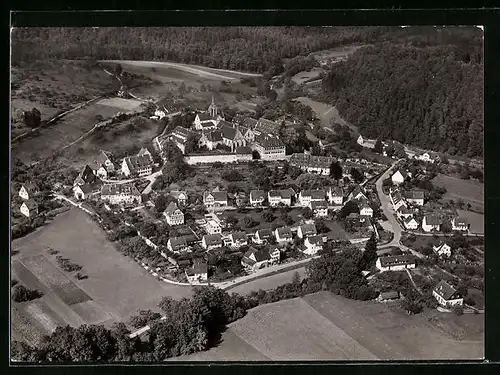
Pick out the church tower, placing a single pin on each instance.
(213, 108)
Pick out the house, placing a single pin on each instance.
(179, 137)
(82, 192)
(240, 199)
(425, 157)
(446, 295)
(121, 193)
(320, 209)
(430, 223)
(442, 249)
(306, 230)
(257, 197)
(198, 272)
(277, 197)
(404, 212)
(139, 165)
(283, 235)
(247, 132)
(210, 139)
(313, 244)
(395, 263)
(173, 214)
(215, 198)
(399, 177)
(86, 176)
(29, 208)
(211, 241)
(269, 147)
(308, 196)
(250, 123)
(28, 191)
(312, 164)
(238, 239)
(209, 120)
(335, 195)
(177, 244)
(364, 142)
(213, 227)
(106, 160)
(262, 235)
(266, 127)
(460, 224)
(99, 169)
(365, 209)
(231, 136)
(357, 193)
(160, 113)
(397, 199)
(254, 259)
(415, 197)
(145, 152)
(388, 296)
(181, 196)
(410, 223)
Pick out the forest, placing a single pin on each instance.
(428, 96)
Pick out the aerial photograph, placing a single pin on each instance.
(187, 194)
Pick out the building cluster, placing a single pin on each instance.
(27, 193)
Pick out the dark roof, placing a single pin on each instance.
(205, 117)
(257, 194)
(303, 160)
(284, 232)
(120, 189)
(31, 204)
(264, 233)
(88, 188)
(138, 162)
(260, 255)
(357, 190)
(336, 191)
(177, 242)
(308, 229)
(86, 175)
(171, 208)
(316, 205)
(315, 239)
(460, 221)
(239, 236)
(268, 142)
(445, 290)
(218, 195)
(405, 210)
(396, 260)
(409, 219)
(212, 239)
(314, 194)
(432, 220)
(181, 132)
(389, 295)
(414, 194)
(283, 194)
(352, 216)
(250, 122)
(199, 267)
(243, 150)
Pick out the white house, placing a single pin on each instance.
(313, 244)
(366, 210)
(211, 241)
(320, 209)
(182, 198)
(283, 235)
(404, 212)
(198, 272)
(121, 193)
(415, 197)
(277, 197)
(442, 249)
(357, 193)
(173, 214)
(335, 195)
(177, 244)
(395, 263)
(410, 223)
(215, 199)
(269, 147)
(257, 197)
(399, 177)
(262, 236)
(105, 159)
(82, 192)
(459, 224)
(307, 230)
(425, 157)
(28, 191)
(255, 259)
(140, 165)
(308, 196)
(446, 295)
(213, 227)
(397, 199)
(238, 239)
(311, 163)
(29, 208)
(430, 223)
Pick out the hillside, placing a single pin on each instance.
(428, 96)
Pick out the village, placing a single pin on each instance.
(209, 237)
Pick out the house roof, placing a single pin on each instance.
(86, 175)
(445, 290)
(120, 189)
(402, 172)
(264, 233)
(317, 240)
(267, 126)
(414, 194)
(408, 220)
(87, 188)
(31, 204)
(250, 122)
(397, 260)
(205, 117)
(238, 236)
(144, 151)
(460, 221)
(405, 210)
(308, 229)
(303, 160)
(199, 266)
(212, 239)
(171, 208)
(31, 186)
(260, 255)
(389, 295)
(314, 194)
(177, 242)
(182, 132)
(357, 191)
(283, 194)
(103, 157)
(336, 191)
(257, 195)
(268, 142)
(243, 150)
(318, 205)
(365, 205)
(219, 196)
(284, 232)
(432, 220)
(138, 162)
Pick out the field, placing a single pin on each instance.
(475, 220)
(471, 192)
(267, 283)
(333, 55)
(323, 326)
(113, 291)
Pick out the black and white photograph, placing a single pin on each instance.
(246, 194)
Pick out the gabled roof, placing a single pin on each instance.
(267, 126)
(389, 295)
(238, 236)
(257, 195)
(260, 255)
(445, 290)
(144, 151)
(205, 117)
(182, 132)
(250, 122)
(214, 136)
(138, 162)
(171, 208)
(365, 205)
(357, 191)
(402, 172)
(316, 240)
(219, 196)
(120, 189)
(177, 242)
(264, 233)
(31, 204)
(318, 205)
(228, 132)
(87, 188)
(460, 221)
(86, 175)
(283, 194)
(308, 229)
(414, 194)
(440, 246)
(212, 239)
(31, 187)
(268, 142)
(396, 260)
(311, 161)
(408, 220)
(432, 220)
(284, 232)
(405, 210)
(314, 194)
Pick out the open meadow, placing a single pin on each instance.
(114, 290)
(469, 191)
(333, 55)
(323, 326)
(475, 220)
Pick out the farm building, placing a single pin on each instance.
(269, 147)
(177, 244)
(277, 197)
(414, 197)
(313, 244)
(365, 209)
(173, 214)
(121, 193)
(430, 223)
(29, 208)
(459, 224)
(215, 198)
(442, 249)
(312, 164)
(198, 272)
(335, 195)
(395, 263)
(211, 241)
(307, 230)
(257, 197)
(82, 192)
(320, 209)
(410, 223)
(99, 169)
(145, 152)
(140, 165)
(307, 196)
(283, 235)
(404, 212)
(256, 259)
(28, 191)
(446, 295)
(399, 177)
(262, 236)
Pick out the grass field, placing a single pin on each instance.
(323, 326)
(268, 283)
(115, 288)
(332, 55)
(469, 191)
(475, 220)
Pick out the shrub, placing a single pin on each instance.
(470, 301)
(458, 310)
(81, 276)
(13, 282)
(20, 293)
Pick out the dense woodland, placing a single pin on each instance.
(431, 97)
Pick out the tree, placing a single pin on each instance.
(268, 216)
(307, 213)
(357, 175)
(143, 318)
(161, 203)
(379, 147)
(296, 278)
(370, 253)
(20, 293)
(336, 170)
(32, 118)
(247, 222)
(348, 208)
